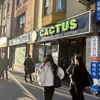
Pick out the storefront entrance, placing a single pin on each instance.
(68, 48)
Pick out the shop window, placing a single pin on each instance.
(3, 30)
(48, 48)
(18, 2)
(4, 12)
(41, 53)
(60, 5)
(47, 7)
(21, 21)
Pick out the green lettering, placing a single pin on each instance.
(57, 28)
(73, 24)
(46, 32)
(65, 26)
(41, 33)
(51, 30)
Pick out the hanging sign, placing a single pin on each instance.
(97, 10)
(95, 63)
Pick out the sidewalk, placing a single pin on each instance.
(12, 90)
(65, 82)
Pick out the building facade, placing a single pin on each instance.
(62, 28)
(62, 44)
(22, 25)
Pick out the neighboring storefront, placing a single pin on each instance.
(3, 46)
(63, 40)
(18, 50)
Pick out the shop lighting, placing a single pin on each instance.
(84, 2)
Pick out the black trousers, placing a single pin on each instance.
(48, 92)
(76, 92)
(26, 73)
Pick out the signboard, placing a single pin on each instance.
(76, 25)
(97, 10)
(95, 63)
(95, 73)
(19, 40)
(94, 46)
(37, 65)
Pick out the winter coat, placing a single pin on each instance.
(6, 63)
(70, 68)
(1, 67)
(29, 66)
(79, 75)
(45, 77)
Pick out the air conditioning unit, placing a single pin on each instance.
(84, 2)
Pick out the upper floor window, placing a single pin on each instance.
(21, 21)
(47, 7)
(60, 5)
(8, 7)
(3, 30)
(18, 2)
(4, 12)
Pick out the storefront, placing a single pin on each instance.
(18, 50)
(63, 40)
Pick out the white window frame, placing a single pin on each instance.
(60, 5)
(21, 20)
(47, 8)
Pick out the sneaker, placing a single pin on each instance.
(31, 81)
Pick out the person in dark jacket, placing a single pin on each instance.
(5, 67)
(29, 67)
(78, 79)
(1, 67)
(69, 69)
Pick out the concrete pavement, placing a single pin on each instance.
(17, 89)
(13, 90)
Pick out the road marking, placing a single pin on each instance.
(29, 94)
(56, 92)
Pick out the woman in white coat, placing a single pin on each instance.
(45, 76)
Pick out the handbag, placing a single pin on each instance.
(89, 80)
(57, 81)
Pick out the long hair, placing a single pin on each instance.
(79, 58)
(49, 58)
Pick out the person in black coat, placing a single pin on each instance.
(78, 79)
(1, 67)
(5, 67)
(29, 67)
(70, 68)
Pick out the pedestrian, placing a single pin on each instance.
(45, 76)
(5, 67)
(28, 67)
(78, 79)
(1, 67)
(70, 68)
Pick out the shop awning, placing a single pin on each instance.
(3, 42)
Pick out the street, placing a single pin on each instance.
(17, 89)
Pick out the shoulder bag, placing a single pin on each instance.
(57, 80)
(89, 80)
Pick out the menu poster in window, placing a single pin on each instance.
(55, 57)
